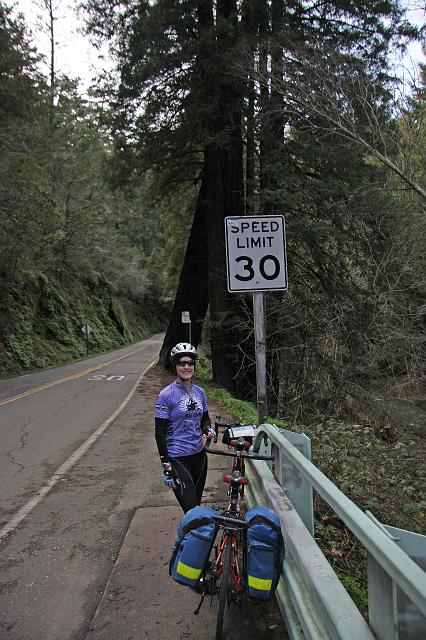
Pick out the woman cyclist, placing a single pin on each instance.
(181, 420)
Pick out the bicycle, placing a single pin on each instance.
(226, 574)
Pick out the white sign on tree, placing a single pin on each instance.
(256, 253)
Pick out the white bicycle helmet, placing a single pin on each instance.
(183, 349)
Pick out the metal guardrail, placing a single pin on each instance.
(313, 601)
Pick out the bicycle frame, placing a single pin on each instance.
(234, 529)
(236, 575)
(227, 572)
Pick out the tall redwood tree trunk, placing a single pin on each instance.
(224, 189)
(203, 275)
(192, 292)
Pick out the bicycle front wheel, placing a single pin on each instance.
(225, 587)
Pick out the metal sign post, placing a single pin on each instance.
(256, 261)
(186, 319)
(260, 350)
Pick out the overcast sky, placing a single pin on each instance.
(76, 58)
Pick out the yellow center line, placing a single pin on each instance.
(73, 377)
(66, 466)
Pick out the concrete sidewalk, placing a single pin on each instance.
(140, 599)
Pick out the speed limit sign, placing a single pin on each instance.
(256, 253)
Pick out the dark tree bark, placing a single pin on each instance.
(277, 122)
(222, 193)
(192, 292)
(250, 28)
(264, 141)
(223, 197)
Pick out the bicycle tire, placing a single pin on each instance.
(224, 588)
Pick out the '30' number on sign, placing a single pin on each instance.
(269, 268)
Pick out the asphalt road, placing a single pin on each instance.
(45, 416)
(89, 560)
(55, 563)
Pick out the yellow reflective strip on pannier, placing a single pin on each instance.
(258, 583)
(188, 572)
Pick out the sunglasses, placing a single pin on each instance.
(183, 363)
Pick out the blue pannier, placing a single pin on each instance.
(265, 552)
(196, 533)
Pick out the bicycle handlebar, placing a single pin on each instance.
(250, 456)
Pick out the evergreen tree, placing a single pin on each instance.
(25, 202)
(60, 221)
(187, 95)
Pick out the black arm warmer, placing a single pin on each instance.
(205, 422)
(161, 428)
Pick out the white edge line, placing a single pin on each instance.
(68, 464)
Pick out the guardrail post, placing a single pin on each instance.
(296, 486)
(392, 615)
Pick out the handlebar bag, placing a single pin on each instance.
(265, 552)
(196, 532)
(246, 431)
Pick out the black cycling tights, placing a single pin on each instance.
(191, 471)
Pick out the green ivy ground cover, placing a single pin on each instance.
(41, 322)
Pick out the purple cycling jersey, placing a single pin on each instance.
(184, 409)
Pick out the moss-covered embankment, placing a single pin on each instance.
(41, 319)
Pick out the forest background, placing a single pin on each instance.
(112, 205)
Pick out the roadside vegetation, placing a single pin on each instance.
(75, 247)
(380, 467)
(43, 318)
